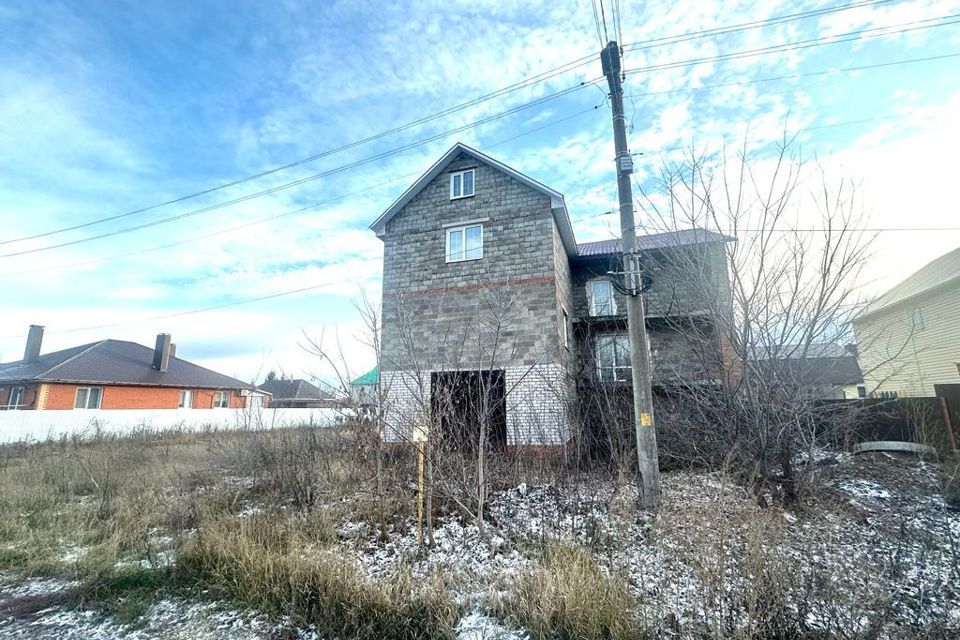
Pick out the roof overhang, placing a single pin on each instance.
(557, 205)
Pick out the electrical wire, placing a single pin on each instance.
(284, 214)
(603, 15)
(570, 66)
(310, 178)
(867, 33)
(546, 75)
(596, 20)
(794, 76)
(436, 137)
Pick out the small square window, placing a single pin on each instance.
(465, 243)
(88, 398)
(461, 184)
(186, 399)
(221, 400)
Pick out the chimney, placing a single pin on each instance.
(34, 341)
(161, 353)
(173, 350)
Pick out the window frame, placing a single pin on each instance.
(188, 395)
(617, 370)
(225, 395)
(86, 398)
(473, 183)
(592, 299)
(462, 229)
(916, 321)
(19, 391)
(565, 335)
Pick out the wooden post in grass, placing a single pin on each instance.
(420, 439)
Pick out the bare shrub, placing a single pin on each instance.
(762, 306)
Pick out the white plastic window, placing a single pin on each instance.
(461, 184)
(88, 398)
(613, 357)
(465, 243)
(602, 302)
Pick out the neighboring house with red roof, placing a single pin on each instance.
(116, 374)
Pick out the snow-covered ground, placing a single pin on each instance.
(878, 534)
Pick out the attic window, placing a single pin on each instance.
(461, 184)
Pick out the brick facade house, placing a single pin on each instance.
(116, 374)
(486, 292)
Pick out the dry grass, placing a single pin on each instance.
(111, 513)
(253, 518)
(569, 597)
(278, 570)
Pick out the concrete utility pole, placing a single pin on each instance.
(649, 470)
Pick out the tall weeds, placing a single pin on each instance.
(252, 562)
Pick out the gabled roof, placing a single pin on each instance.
(557, 204)
(115, 362)
(294, 391)
(652, 241)
(940, 271)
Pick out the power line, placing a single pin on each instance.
(306, 179)
(603, 16)
(225, 305)
(293, 291)
(546, 75)
(596, 20)
(794, 76)
(869, 32)
(294, 212)
(551, 73)
(755, 24)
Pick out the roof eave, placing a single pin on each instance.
(870, 313)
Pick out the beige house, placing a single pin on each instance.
(909, 338)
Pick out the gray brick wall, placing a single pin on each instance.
(686, 279)
(505, 311)
(439, 315)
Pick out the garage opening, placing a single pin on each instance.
(463, 403)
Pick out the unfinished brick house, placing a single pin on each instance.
(487, 293)
(116, 374)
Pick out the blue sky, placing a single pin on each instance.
(109, 107)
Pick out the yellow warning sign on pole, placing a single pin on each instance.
(646, 419)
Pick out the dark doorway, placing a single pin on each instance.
(463, 401)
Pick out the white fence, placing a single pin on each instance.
(32, 426)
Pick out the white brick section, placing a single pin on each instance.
(537, 405)
(407, 402)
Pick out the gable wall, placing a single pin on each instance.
(896, 358)
(440, 315)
